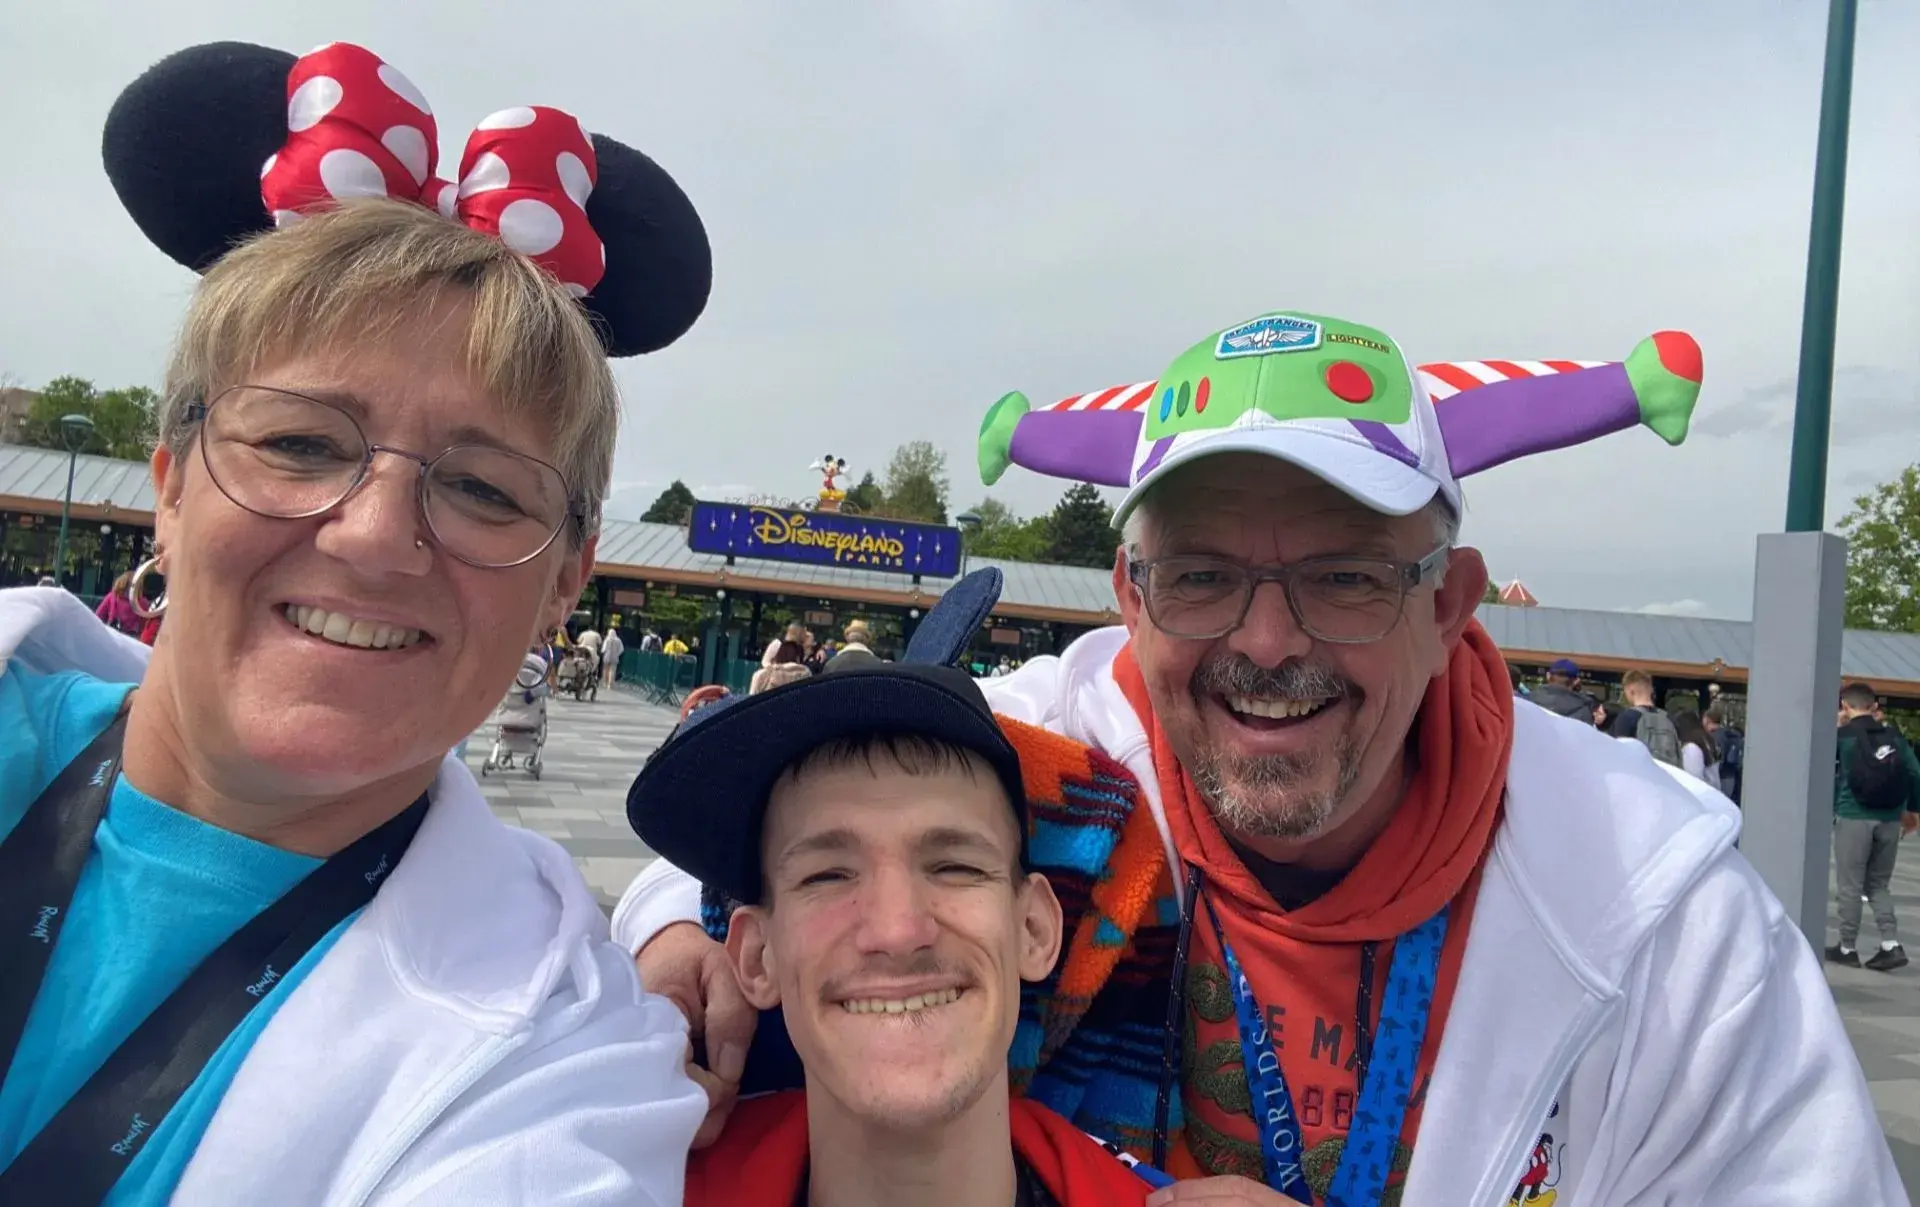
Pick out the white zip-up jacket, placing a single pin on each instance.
(1637, 1022)
(473, 1039)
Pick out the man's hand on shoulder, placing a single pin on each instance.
(1219, 1192)
(689, 969)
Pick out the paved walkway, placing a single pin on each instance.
(1882, 1013)
(594, 749)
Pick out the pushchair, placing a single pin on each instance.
(520, 722)
(580, 673)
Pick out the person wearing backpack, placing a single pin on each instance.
(1876, 799)
(1645, 723)
(1733, 750)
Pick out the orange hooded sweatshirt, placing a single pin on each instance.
(1304, 964)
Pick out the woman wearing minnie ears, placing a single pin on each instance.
(262, 943)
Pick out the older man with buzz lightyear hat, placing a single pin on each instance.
(1418, 941)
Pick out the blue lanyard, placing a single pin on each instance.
(1386, 1086)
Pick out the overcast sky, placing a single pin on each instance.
(918, 206)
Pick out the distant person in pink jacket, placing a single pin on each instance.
(117, 610)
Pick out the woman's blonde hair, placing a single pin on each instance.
(360, 269)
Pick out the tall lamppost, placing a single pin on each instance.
(969, 522)
(74, 430)
(1813, 395)
(1800, 575)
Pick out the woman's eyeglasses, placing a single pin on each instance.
(286, 456)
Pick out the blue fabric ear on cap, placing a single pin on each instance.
(951, 623)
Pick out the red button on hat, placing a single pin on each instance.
(1349, 382)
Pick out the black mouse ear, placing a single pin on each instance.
(185, 143)
(659, 264)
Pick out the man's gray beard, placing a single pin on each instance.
(1271, 797)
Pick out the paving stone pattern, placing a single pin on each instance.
(594, 749)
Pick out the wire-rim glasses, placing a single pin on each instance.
(285, 456)
(1338, 599)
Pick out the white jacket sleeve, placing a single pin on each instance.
(602, 1117)
(1693, 761)
(1737, 1083)
(658, 897)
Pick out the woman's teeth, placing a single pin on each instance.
(941, 997)
(1275, 709)
(342, 629)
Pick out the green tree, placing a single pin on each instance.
(1003, 534)
(866, 498)
(1492, 594)
(917, 483)
(124, 420)
(126, 423)
(1883, 556)
(1080, 531)
(674, 506)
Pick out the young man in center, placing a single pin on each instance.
(870, 824)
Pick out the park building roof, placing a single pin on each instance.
(31, 478)
(34, 480)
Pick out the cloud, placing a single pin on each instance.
(1678, 607)
(1870, 403)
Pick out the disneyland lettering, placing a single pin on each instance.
(790, 528)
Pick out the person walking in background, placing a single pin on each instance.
(611, 647)
(1876, 799)
(674, 648)
(1733, 749)
(1699, 757)
(789, 665)
(1644, 722)
(1560, 694)
(797, 633)
(858, 651)
(116, 610)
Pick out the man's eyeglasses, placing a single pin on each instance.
(286, 456)
(1345, 600)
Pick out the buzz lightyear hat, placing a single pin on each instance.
(1340, 400)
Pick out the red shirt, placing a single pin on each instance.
(760, 1159)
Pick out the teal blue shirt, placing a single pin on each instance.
(159, 891)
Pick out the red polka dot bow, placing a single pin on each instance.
(358, 128)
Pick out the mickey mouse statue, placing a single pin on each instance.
(831, 469)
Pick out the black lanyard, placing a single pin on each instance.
(83, 1150)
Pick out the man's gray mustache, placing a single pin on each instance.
(1239, 675)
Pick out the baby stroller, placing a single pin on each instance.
(580, 673)
(520, 722)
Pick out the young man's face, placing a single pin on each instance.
(896, 931)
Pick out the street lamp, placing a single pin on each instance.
(74, 430)
(1800, 575)
(1813, 394)
(969, 522)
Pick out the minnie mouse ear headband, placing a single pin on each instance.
(1340, 400)
(218, 142)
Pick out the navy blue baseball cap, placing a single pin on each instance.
(1565, 666)
(701, 798)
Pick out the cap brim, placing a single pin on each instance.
(701, 798)
(1388, 486)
